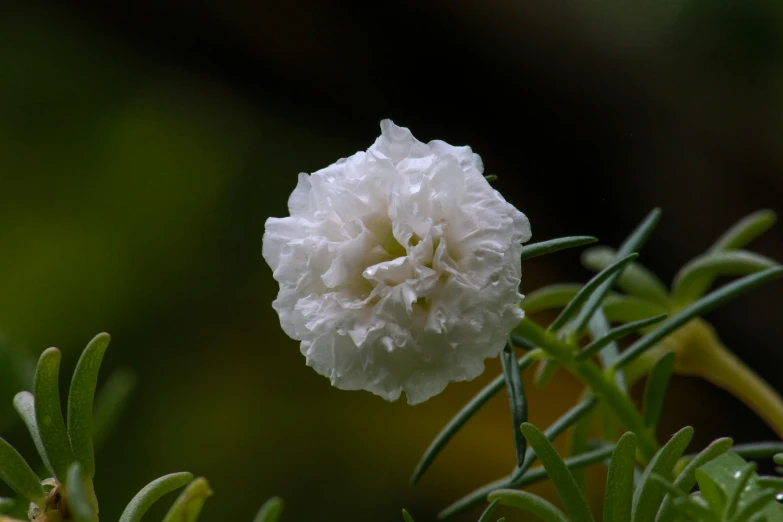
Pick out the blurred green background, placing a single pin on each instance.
(144, 144)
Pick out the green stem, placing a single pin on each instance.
(602, 386)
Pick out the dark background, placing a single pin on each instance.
(143, 145)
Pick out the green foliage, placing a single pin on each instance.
(49, 416)
(573, 463)
(618, 499)
(528, 502)
(566, 486)
(485, 516)
(646, 309)
(15, 472)
(745, 230)
(188, 505)
(516, 398)
(270, 511)
(698, 308)
(758, 450)
(594, 287)
(464, 415)
(731, 491)
(68, 453)
(687, 477)
(649, 494)
(645, 483)
(553, 245)
(153, 492)
(697, 276)
(730, 486)
(613, 335)
(80, 402)
(655, 391)
(25, 406)
(520, 474)
(78, 499)
(636, 280)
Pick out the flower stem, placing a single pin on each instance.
(619, 403)
(602, 386)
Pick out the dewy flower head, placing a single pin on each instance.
(399, 267)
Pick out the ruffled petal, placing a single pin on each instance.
(399, 268)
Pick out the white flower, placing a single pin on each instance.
(399, 267)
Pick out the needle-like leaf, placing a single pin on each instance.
(490, 509)
(516, 398)
(697, 276)
(718, 484)
(478, 496)
(635, 280)
(578, 444)
(743, 477)
(15, 472)
(78, 501)
(775, 483)
(655, 390)
(619, 482)
(270, 511)
(745, 230)
(599, 328)
(151, 493)
(617, 307)
(545, 370)
(567, 488)
(758, 450)
(522, 343)
(690, 507)
(552, 296)
(80, 402)
(632, 244)
(667, 486)
(554, 430)
(639, 236)
(188, 505)
(615, 334)
(754, 505)
(700, 307)
(592, 286)
(649, 494)
(553, 245)
(687, 477)
(625, 309)
(24, 403)
(573, 463)
(49, 416)
(462, 417)
(528, 502)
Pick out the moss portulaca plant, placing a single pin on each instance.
(66, 448)
(400, 271)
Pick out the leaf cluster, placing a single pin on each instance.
(647, 481)
(66, 447)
